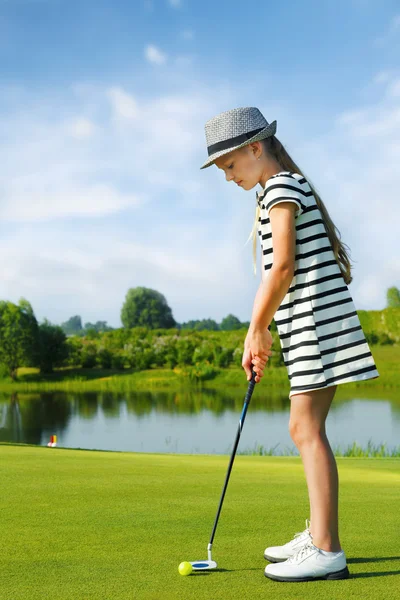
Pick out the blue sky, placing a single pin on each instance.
(103, 106)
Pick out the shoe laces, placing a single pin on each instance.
(302, 552)
(307, 530)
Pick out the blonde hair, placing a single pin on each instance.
(274, 148)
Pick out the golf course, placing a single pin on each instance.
(83, 525)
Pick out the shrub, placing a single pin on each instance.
(203, 352)
(372, 337)
(200, 372)
(385, 339)
(224, 357)
(104, 358)
(237, 357)
(185, 351)
(141, 356)
(88, 356)
(4, 372)
(74, 345)
(118, 361)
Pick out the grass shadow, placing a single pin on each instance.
(72, 373)
(368, 559)
(373, 574)
(197, 573)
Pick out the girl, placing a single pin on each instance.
(305, 274)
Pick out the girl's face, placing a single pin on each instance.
(242, 166)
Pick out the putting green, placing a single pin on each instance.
(81, 525)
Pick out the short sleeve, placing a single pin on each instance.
(285, 188)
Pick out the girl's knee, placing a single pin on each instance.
(303, 433)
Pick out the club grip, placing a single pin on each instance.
(250, 389)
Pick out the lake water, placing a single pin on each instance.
(203, 422)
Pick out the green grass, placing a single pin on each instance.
(83, 525)
(371, 451)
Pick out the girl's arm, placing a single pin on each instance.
(269, 298)
(273, 288)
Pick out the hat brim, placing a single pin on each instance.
(266, 132)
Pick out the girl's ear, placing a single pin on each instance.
(256, 148)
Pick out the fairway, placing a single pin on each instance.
(83, 525)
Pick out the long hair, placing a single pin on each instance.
(274, 148)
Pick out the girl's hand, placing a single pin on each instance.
(256, 352)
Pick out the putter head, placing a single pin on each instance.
(203, 565)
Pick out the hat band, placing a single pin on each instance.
(235, 141)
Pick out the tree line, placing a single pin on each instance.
(149, 338)
(144, 307)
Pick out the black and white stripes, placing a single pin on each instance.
(320, 333)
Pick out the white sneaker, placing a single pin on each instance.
(309, 563)
(281, 553)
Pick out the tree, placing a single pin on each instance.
(73, 326)
(393, 297)
(19, 336)
(146, 307)
(92, 334)
(204, 324)
(99, 326)
(230, 323)
(53, 347)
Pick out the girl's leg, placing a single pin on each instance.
(308, 413)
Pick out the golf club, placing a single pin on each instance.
(202, 565)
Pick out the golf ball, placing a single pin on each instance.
(185, 568)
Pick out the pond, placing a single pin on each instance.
(187, 421)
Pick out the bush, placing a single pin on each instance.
(276, 360)
(118, 361)
(74, 345)
(104, 358)
(201, 372)
(141, 356)
(385, 339)
(224, 357)
(185, 351)
(171, 358)
(237, 357)
(372, 337)
(203, 352)
(4, 372)
(88, 356)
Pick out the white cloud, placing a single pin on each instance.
(123, 104)
(175, 3)
(91, 276)
(80, 127)
(187, 34)
(71, 167)
(393, 88)
(182, 230)
(382, 76)
(29, 199)
(154, 55)
(395, 23)
(390, 33)
(370, 122)
(184, 60)
(357, 163)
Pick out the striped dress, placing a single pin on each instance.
(321, 337)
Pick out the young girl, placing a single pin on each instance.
(305, 274)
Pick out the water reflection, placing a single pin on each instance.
(182, 421)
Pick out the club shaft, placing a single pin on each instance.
(239, 431)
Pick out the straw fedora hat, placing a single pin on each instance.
(234, 129)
